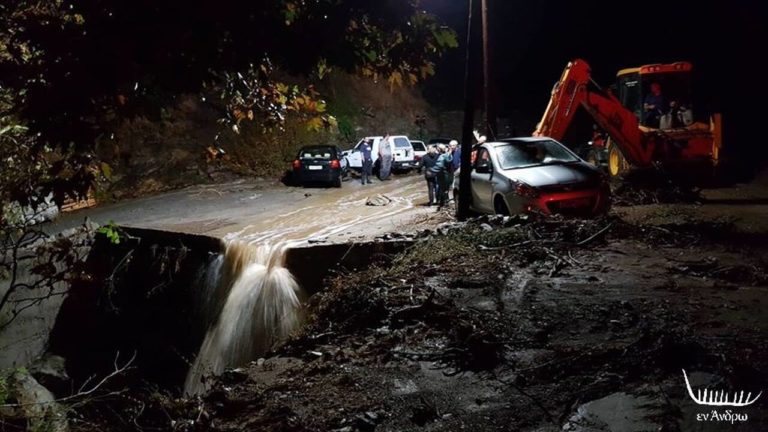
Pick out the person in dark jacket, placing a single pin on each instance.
(655, 106)
(456, 155)
(455, 150)
(428, 162)
(367, 172)
(442, 171)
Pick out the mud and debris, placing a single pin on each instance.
(378, 200)
(628, 193)
(506, 323)
(497, 323)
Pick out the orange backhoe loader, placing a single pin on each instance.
(647, 116)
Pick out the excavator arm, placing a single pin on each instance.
(571, 92)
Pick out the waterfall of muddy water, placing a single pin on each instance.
(260, 308)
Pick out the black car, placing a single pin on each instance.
(320, 164)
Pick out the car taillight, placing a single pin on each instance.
(417, 157)
(524, 190)
(297, 164)
(335, 164)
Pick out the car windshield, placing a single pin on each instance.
(418, 146)
(523, 154)
(318, 152)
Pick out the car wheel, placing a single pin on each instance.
(337, 182)
(345, 168)
(617, 163)
(500, 207)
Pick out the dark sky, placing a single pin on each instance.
(532, 41)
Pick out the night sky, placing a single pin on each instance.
(532, 42)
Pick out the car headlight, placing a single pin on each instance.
(524, 189)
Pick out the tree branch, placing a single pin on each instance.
(83, 391)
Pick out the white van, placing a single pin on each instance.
(402, 153)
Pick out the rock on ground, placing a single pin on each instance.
(35, 404)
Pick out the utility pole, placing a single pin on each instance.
(467, 137)
(490, 111)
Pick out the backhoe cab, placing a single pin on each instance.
(668, 84)
(648, 117)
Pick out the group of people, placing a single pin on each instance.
(439, 164)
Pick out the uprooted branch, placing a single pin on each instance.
(118, 370)
(595, 235)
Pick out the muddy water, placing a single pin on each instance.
(261, 308)
(326, 215)
(251, 208)
(258, 298)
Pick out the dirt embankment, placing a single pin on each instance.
(505, 324)
(148, 155)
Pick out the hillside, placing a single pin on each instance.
(149, 155)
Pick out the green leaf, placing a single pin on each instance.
(111, 231)
(315, 124)
(106, 170)
(449, 38)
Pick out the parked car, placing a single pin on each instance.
(524, 175)
(320, 164)
(419, 150)
(402, 153)
(404, 156)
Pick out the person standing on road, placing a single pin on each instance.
(367, 171)
(455, 154)
(441, 169)
(455, 161)
(385, 158)
(428, 162)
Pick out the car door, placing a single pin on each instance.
(482, 181)
(355, 158)
(402, 150)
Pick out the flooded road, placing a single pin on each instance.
(258, 223)
(263, 211)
